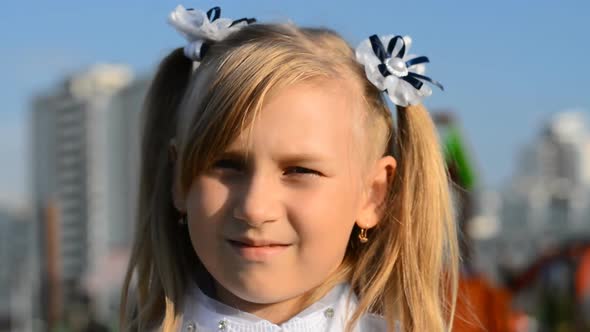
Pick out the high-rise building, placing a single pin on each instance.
(84, 141)
(16, 278)
(114, 178)
(121, 175)
(548, 198)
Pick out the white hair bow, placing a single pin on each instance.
(199, 28)
(391, 70)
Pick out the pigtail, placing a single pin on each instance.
(156, 222)
(428, 252)
(407, 271)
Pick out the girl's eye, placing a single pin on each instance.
(296, 170)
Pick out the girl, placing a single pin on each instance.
(278, 195)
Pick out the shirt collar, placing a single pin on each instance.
(330, 313)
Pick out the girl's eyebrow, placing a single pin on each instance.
(233, 155)
(296, 158)
(284, 158)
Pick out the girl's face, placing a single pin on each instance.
(272, 218)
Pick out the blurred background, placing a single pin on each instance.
(513, 121)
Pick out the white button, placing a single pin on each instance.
(191, 327)
(222, 325)
(329, 313)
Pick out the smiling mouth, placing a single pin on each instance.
(257, 251)
(256, 245)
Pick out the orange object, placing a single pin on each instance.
(583, 276)
(481, 307)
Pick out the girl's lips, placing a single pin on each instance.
(258, 252)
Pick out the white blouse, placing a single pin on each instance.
(329, 314)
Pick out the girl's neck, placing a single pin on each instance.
(276, 313)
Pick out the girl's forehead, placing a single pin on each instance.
(316, 117)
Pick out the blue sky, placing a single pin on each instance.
(506, 65)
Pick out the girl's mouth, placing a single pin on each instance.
(257, 250)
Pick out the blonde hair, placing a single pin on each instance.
(407, 272)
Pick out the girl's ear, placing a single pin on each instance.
(376, 192)
(177, 196)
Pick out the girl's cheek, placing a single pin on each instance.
(321, 208)
(208, 196)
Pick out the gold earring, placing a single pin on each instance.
(363, 235)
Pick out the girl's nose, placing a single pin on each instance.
(258, 202)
